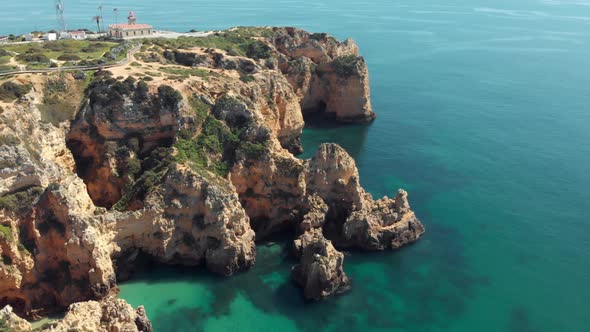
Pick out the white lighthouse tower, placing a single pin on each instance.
(131, 19)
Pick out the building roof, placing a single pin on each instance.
(80, 32)
(130, 26)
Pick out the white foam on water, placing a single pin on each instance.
(571, 2)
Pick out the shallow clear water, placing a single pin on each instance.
(483, 116)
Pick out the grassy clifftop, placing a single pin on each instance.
(61, 52)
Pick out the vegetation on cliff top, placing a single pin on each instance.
(72, 52)
(213, 140)
(216, 145)
(61, 95)
(346, 66)
(10, 91)
(210, 148)
(108, 92)
(239, 41)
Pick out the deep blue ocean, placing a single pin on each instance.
(483, 116)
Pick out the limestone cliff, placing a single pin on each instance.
(106, 316)
(186, 157)
(328, 76)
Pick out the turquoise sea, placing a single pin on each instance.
(483, 116)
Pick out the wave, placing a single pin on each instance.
(570, 2)
(510, 12)
(530, 14)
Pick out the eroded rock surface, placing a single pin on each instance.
(191, 221)
(187, 167)
(327, 75)
(109, 315)
(354, 218)
(320, 271)
(12, 322)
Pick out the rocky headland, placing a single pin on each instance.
(186, 156)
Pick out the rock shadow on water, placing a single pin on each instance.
(181, 319)
(431, 279)
(431, 299)
(519, 320)
(351, 137)
(421, 287)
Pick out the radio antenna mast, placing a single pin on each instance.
(59, 13)
(101, 19)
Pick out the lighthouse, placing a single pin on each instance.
(130, 30)
(131, 19)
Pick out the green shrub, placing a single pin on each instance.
(6, 233)
(187, 72)
(93, 47)
(155, 167)
(247, 78)
(10, 140)
(55, 46)
(21, 200)
(213, 149)
(258, 50)
(68, 57)
(253, 150)
(55, 84)
(345, 66)
(33, 58)
(58, 105)
(169, 97)
(4, 326)
(237, 42)
(201, 109)
(133, 166)
(141, 92)
(9, 91)
(133, 144)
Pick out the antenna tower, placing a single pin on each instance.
(101, 18)
(59, 13)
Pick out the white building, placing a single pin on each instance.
(76, 35)
(29, 37)
(50, 36)
(131, 29)
(3, 39)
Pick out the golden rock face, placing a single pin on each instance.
(188, 167)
